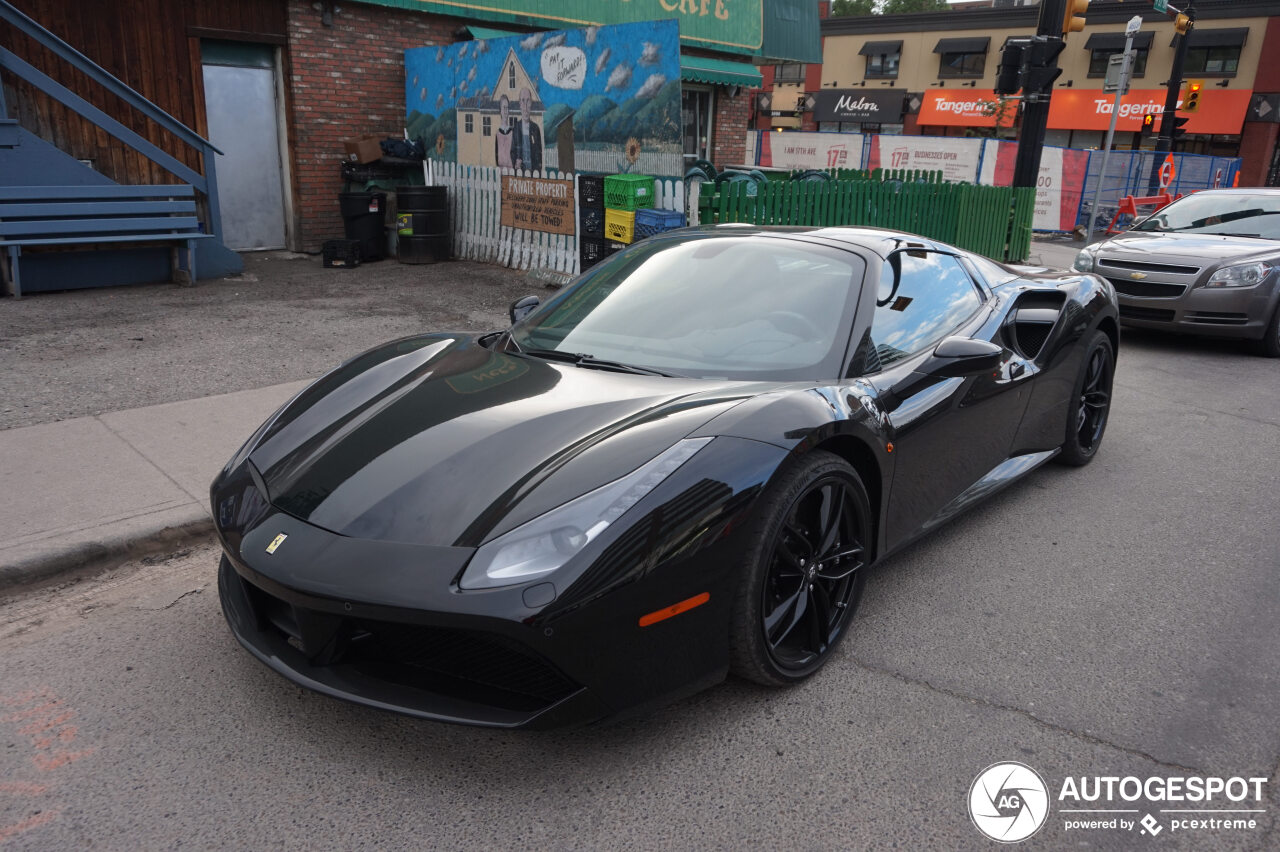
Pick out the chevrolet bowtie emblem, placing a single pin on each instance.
(1137, 275)
(276, 542)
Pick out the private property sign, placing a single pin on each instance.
(537, 204)
(884, 106)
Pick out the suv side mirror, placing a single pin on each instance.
(522, 307)
(964, 356)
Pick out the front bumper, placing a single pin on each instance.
(413, 667)
(1210, 312)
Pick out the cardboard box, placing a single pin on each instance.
(365, 150)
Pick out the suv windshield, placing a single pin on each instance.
(750, 307)
(1208, 213)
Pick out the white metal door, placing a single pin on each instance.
(240, 105)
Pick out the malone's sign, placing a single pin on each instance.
(883, 106)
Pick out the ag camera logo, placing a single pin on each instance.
(1008, 802)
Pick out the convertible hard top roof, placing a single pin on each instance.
(881, 241)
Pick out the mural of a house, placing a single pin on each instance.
(479, 116)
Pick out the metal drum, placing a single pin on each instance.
(422, 221)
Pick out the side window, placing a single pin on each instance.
(921, 300)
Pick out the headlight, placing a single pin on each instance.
(1242, 275)
(537, 548)
(1084, 260)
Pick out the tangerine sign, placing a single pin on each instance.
(1080, 109)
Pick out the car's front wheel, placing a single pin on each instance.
(1090, 406)
(805, 571)
(1269, 345)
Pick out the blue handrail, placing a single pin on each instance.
(15, 17)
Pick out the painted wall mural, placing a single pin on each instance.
(597, 99)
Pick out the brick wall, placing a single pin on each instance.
(730, 127)
(345, 81)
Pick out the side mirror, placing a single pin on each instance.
(963, 356)
(522, 307)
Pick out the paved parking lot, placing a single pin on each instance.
(1117, 620)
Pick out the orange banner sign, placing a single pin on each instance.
(966, 108)
(1221, 110)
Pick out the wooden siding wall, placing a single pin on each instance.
(151, 45)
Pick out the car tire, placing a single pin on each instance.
(1269, 345)
(805, 571)
(1089, 408)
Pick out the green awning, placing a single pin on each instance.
(487, 32)
(701, 69)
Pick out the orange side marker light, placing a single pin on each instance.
(888, 448)
(675, 609)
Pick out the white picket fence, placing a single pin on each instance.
(475, 199)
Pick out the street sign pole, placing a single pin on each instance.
(1135, 24)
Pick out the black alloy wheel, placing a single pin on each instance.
(1090, 405)
(806, 576)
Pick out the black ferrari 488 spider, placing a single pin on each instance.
(678, 467)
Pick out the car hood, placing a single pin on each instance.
(438, 440)
(1199, 248)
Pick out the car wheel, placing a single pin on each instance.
(805, 571)
(1269, 345)
(1090, 404)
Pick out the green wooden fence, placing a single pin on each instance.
(991, 220)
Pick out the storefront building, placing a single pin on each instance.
(934, 73)
(328, 72)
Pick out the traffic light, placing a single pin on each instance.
(1179, 125)
(1073, 20)
(1181, 23)
(1191, 103)
(1042, 64)
(1148, 125)
(1013, 59)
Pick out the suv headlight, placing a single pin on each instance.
(540, 546)
(1240, 275)
(1084, 260)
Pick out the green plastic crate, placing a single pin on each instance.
(628, 192)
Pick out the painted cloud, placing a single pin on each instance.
(619, 78)
(651, 86)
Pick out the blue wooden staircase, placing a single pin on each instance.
(117, 233)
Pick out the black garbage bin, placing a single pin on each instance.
(363, 216)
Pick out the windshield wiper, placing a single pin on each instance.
(1234, 234)
(582, 359)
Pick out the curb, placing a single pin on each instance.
(104, 553)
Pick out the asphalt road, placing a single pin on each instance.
(1120, 619)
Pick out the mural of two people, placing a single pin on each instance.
(518, 142)
(596, 99)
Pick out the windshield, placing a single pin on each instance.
(1221, 213)
(750, 307)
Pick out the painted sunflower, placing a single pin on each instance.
(440, 144)
(633, 149)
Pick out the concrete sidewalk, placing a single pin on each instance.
(118, 485)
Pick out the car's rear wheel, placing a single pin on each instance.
(806, 571)
(1269, 345)
(1090, 404)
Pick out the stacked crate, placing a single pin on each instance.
(623, 196)
(592, 247)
